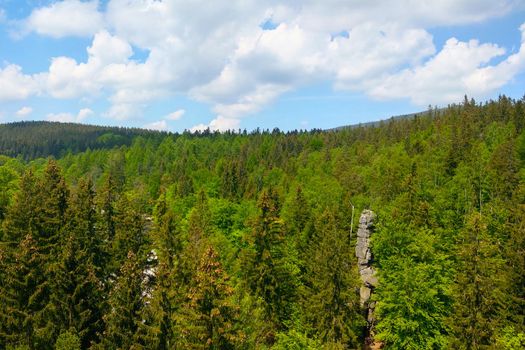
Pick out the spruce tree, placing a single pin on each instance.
(80, 295)
(268, 273)
(126, 301)
(478, 293)
(171, 281)
(331, 303)
(17, 264)
(209, 315)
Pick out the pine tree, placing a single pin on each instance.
(199, 223)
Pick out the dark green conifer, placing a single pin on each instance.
(330, 302)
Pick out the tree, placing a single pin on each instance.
(126, 302)
(330, 303)
(79, 298)
(171, 280)
(209, 315)
(268, 274)
(478, 289)
(36, 224)
(23, 295)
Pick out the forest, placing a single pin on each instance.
(243, 240)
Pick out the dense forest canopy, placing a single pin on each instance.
(242, 240)
(34, 139)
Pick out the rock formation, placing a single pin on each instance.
(364, 261)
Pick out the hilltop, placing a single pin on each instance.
(34, 139)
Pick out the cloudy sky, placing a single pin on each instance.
(190, 64)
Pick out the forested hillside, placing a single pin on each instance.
(242, 240)
(35, 139)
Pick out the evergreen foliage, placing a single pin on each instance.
(245, 240)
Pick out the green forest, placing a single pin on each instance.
(128, 239)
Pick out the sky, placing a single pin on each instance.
(230, 64)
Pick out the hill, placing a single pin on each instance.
(34, 139)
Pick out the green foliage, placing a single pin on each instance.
(110, 242)
(293, 340)
(331, 304)
(209, 314)
(67, 341)
(509, 339)
(269, 274)
(479, 288)
(35, 139)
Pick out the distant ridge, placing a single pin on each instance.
(34, 139)
(379, 122)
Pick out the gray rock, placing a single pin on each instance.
(364, 295)
(364, 260)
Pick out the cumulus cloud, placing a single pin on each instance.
(218, 124)
(24, 111)
(15, 85)
(458, 68)
(176, 115)
(160, 125)
(69, 79)
(218, 52)
(83, 114)
(66, 18)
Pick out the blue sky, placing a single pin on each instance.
(176, 65)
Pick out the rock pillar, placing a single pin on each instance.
(364, 261)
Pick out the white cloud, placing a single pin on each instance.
(15, 85)
(124, 111)
(24, 111)
(70, 118)
(217, 53)
(459, 68)
(160, 125)
(218, 124)
(66, 18)
(69, 79)
(176, 115)
(2, 15)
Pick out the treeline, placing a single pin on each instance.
(236, 240)
(35, 139)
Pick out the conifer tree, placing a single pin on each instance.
(126, 301)
(268, 274)
(130, 233)
(331, 303)
(171, 280)
(209, 315)
(40, 213)
(479, 298)
(18, 265)
(53, 195)
(22, 296)
(79, 299)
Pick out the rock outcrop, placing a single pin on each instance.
(364, 261)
